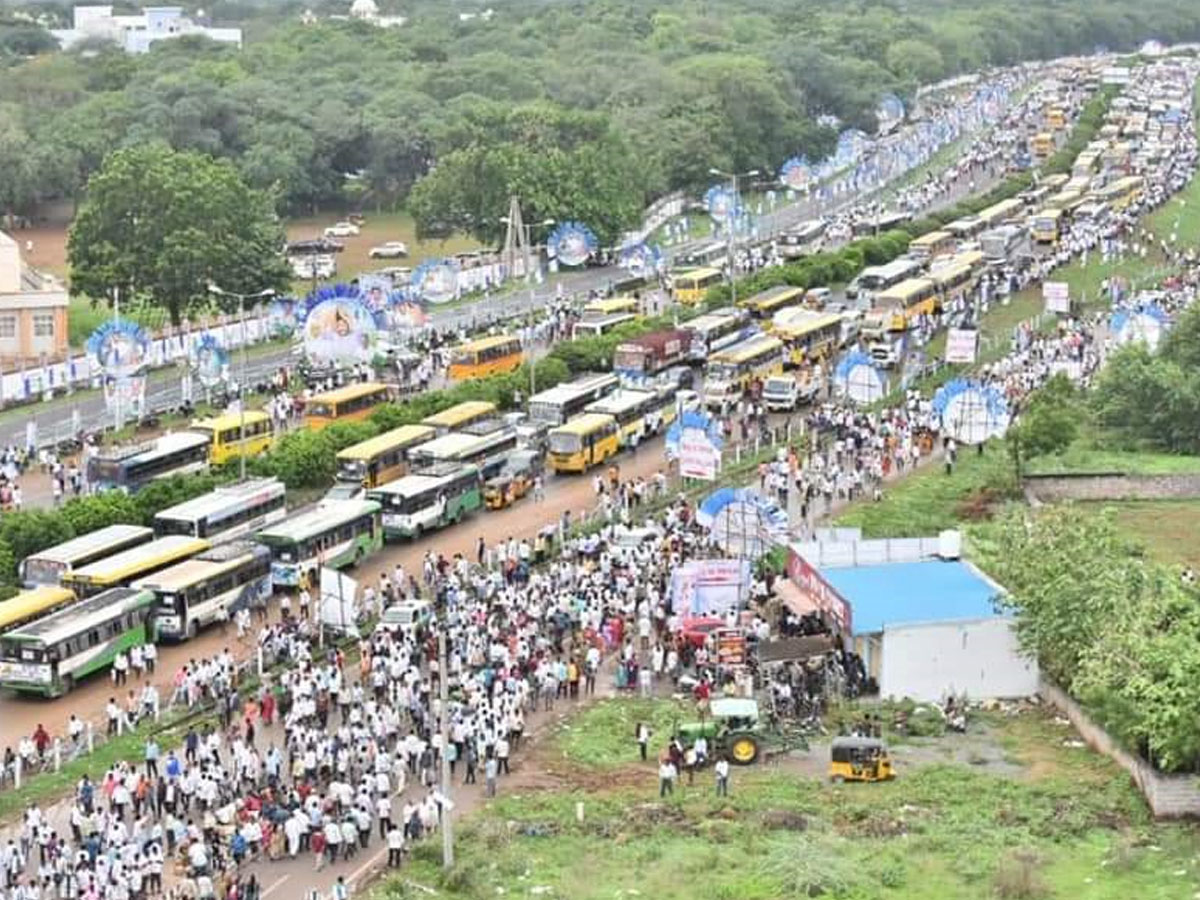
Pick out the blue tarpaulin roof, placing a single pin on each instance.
(905, 593)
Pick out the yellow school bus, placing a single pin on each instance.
(903, 303)
(1122, 192)
(808, 336)
(230, 439)
(1043, 145)
(459, 416)
(585, 441)
(760, 356)
(351, 403)
(487, 356)
(691, 287)
(610, 306)
(765, 304)
(1055, 117)
(1047, 226)
(935, 243)
(954, 281)
(126, 567)
(32, 604)
(383, 458)
(999, 213)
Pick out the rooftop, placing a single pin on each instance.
(908, 593)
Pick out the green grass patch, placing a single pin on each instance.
(1083, 458)
(928, 501)
(605, 735)
(1166, 528)
(1071, 821)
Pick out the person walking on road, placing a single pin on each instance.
(642, 734)
(490, 770)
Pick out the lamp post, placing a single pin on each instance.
(528, 228)
(241, 299)
(733, 183)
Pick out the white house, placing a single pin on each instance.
(135, 34)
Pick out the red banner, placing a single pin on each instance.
(823, 594)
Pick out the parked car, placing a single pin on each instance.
(342, 229)
(679, 377)
(389, 250)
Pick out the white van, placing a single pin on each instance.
(406, 614)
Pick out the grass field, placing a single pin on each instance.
(1082, 458)
(1167, 528)
(1044, 820)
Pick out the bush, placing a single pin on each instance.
(29, 531)
(1018, 878)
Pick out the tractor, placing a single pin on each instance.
(733, 729)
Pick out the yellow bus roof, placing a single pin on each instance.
(778, 294)
(484, 343)
(349, 392)
(28, 604)
(748, 349)
(402, 436)
(468, 409)
(949, 272)
(905, 289)
(930, 238)
(585, 423)
(114, 569)
(1049, 213)
(696, 274)
(229, 420)
(612, 305)
(794, 323)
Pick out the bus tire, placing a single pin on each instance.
(358, 556)
(416, 533)
(68, 684)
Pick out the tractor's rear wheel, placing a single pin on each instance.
(743, 749)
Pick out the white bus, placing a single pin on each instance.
(594, 327)
(227, 512)
(704, 255)
(211, 585)
(876, 279)
(50, 565)
(132, 468)
(557, 405)
(717, 330)
(484, 444)
(335, 533)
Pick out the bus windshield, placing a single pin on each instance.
(564, 442)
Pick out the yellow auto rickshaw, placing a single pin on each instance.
(513, 481)
(859, 759)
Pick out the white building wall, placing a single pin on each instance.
(978, 657)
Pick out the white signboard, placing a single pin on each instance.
(961, 345)
(1057, 295)
(698, 456)
(339, 601)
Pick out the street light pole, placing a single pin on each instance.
(444, 697)
(733, 201)
(241, 298)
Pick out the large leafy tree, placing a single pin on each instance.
(160, 225)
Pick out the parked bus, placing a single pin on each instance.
(737, 366)
(875, 225)
(130, 469)
(486, 356)
(1067, 200)
(1006, 244)
(901, 305)
(1043, 145)
(691, 287)
(609, 306)
(966, 228)
(808, 336)
(229, 439)
(31, 604)
(874, 279)
(1000, 213)
(629, 408)
(1056, 118)
(460, 415)
(47, 567)
(49, 656)
(765, 304)
(954, 282)
(565, 401)
(706, 255)
(935, 243)
(209, 587)
(226, 512)
(717, 330)
(601, 325)
(335, 533)
(585, 441)
(428, 499)
(661, 408)
(1047, 226)
(1122, 193)
(385, 457)
(483, 444)
(351, 403)
(802, 238)
(138, 562)
(651, 353)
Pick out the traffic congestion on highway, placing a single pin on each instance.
(463, 519)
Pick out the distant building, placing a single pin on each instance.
(360, 11)
(33, 309)
(135, 34)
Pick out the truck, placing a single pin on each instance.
(651, 353)
(886, 352)
(788, 391)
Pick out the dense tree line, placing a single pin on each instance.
(593, 105)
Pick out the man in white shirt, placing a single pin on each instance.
(666, 778)
(395, 845)
(722, 772)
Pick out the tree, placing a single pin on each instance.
(1049, 424)
(159, 225)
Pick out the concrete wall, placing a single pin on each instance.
(1114, 486)
(979, 657)
(1168, 796)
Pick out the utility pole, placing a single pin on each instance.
(516, 238)
(731, 224)
(443, 696)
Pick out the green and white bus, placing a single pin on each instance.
(195, 593)
(51, 654)
(428, 499)
(335, 533)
